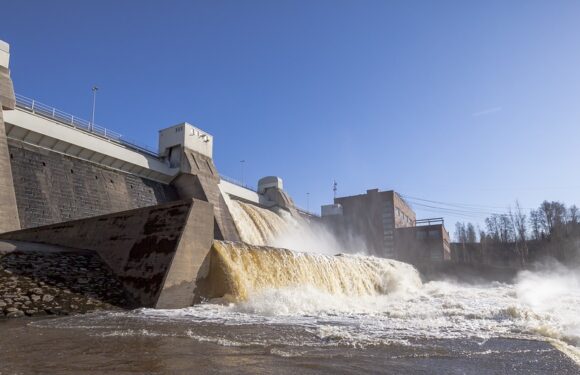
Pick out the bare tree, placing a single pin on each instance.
(547, 213)
(536, 224)
(470, 233)
(519, 219)
(519, 222)
(507, 230)
(553, 217)
(492, 224)
(500, 228)
(482, 234)
(573, 214)
(460, 233)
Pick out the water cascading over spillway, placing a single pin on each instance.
(239, 270)
(263, 260)
(259, 226)
(278, 228)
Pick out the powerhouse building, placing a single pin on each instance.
(388, 227)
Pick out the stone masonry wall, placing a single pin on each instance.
(52, 282)
(51, 187)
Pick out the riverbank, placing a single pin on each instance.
(37, 280)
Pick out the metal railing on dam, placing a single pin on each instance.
(238, 183)
(40, 109)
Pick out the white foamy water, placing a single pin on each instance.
(543, 305)
(239, 271)
(435, 310)
(278, 228)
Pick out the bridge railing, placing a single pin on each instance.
(34, 106)
(238, 183)
(429, 221)
(245, 186)
(307, 212)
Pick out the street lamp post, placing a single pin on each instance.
(91, 125)
(242, 162)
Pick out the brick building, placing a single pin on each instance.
(426, 242)
(388, 227)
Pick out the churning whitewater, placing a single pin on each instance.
(278, 228)
(240, 271)
(393, 309)
(360, 300)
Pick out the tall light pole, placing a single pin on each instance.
(91, 125)
(242, 162)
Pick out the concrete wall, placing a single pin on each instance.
(404, 215)
(51, 187)
(374, 216)
(200, 180)
(427, 244)
(8, 211)
(156, 252)
(231, 189)
(186, 136)
(39, 128)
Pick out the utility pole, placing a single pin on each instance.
(335, 188)
(308, 202)
(92, 124)
(242, 162)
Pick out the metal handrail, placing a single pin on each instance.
(245, 186)
(303, 211)
(44, 110)
(238, 183)
(430, 221)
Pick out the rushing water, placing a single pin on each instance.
(240, 271)
(270, 310)
(278, 228)
(437, 327)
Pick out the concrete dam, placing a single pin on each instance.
(90, 220)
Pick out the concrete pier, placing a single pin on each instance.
(8, 206)
(156, 252)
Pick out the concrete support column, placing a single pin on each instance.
(199, 179)
(8, 208)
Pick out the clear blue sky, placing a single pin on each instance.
(451, 101)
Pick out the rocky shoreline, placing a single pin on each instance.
(36, 283)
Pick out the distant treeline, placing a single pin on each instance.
(515, 239)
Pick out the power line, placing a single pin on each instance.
(455, 210)
(458, 210)
(460, 205)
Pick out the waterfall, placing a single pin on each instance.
(259, 226)
(240, 270)
(263, 227)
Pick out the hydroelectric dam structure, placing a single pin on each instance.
(150, 216)
(91, 219)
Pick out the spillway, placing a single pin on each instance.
(240, 270)
(259, 226)
(278, 228)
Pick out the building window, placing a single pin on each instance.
(434, 234)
